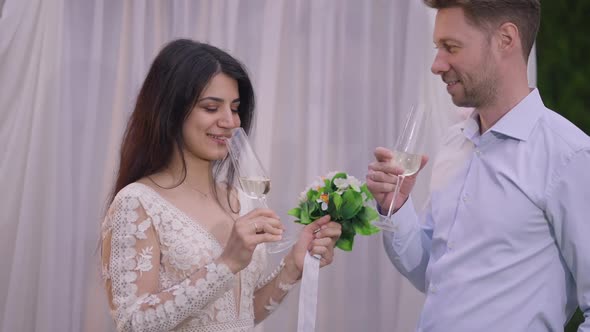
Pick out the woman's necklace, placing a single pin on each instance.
(205, 195)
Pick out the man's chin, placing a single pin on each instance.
(461, 102)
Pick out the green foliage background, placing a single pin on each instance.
(563, 56)
(563, 69)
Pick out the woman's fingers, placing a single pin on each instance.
(319, 250)
(267, 237)
(268, 213)
(331, 230)
(271, 226)
(323, 242)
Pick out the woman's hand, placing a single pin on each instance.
(317, 238)
(258, 226)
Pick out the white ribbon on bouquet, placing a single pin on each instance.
(308, 294)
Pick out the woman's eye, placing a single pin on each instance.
(210, 109)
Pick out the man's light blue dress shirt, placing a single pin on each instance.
(504, 242)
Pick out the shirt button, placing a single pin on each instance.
(451, 244)
(464, 198)
(432, 288)
(478, 152)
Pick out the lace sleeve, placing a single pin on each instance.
(131, 265)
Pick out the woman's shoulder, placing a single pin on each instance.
(134, 192)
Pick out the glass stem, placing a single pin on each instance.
(400, 181)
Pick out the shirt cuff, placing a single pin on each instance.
(403, 219)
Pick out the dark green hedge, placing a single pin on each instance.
(563, 69)
(563, 56)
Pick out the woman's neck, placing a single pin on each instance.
(198, 172)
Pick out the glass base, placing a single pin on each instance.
(279, 246)
(385, 225)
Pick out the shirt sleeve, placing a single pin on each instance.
(131, 265)
(568, 212)
(408, 247)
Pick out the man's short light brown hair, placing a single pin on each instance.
(489, 14)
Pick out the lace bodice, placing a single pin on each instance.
(162, 273)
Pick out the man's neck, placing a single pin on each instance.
(507, 97)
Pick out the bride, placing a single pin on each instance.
(179, 251)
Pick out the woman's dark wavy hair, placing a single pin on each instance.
(175, 80)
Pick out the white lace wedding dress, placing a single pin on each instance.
(154, 243)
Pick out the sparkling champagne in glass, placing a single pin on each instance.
(253, 179)
(405, 155)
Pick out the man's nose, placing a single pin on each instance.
(440, 65)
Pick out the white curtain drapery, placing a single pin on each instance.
(333, 80)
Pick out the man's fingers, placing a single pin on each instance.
(383, 154)
(423, 161)
(385, 167)
(380, 187)
(378, 176)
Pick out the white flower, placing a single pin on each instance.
(354, 183)
(315, 185)
(351, 181)
(330, 175)
(341, 184)
(303, 196)
(324, 204)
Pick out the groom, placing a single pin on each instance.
(503, 242)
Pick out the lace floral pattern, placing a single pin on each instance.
(150, 240)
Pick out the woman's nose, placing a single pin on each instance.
(229, 119)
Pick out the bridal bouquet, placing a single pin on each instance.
(345, 199)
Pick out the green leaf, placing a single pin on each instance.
(312, 195)
(352, 204)
(334, 206)
(368, 214)
(345, 243)
(295, 212)
(305, 218)
(365, 190)
(316, 210)
(363, 227)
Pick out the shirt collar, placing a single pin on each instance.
(517, 123)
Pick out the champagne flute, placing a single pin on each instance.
(253, 179)
(405, 157)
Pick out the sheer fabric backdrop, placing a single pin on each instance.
(333, 81)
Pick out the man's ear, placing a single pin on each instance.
(508, 38)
